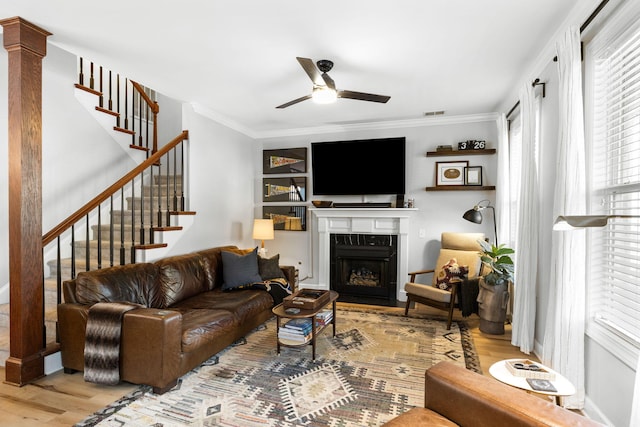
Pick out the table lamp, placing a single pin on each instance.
(263, 230)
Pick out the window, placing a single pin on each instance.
(613, 94)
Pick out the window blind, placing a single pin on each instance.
(614, 284)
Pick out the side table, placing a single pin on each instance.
(280, 314)
(563, 386)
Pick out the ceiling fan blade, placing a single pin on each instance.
(329, 81)
(295, 101)
(363, 96)
(311, 70)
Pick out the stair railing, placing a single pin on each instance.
(138, 106)
(166, 197)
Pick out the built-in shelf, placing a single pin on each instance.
(461, 152)
(462, 188)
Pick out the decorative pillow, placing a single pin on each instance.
(269, 268)
(239, 270)
(450, 271)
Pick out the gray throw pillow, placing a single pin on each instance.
(269, 268)
(239, 270)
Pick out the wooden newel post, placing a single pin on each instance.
(27, 45)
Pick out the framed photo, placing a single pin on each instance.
(286, 160)
(290, 218)
(293, 189)
(450, 173)
(473, 175)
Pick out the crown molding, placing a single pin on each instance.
(223, 120)
(348, 127)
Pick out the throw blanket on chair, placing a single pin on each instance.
(102, 342)
(468, 297)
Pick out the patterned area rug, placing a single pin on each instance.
(371, 372)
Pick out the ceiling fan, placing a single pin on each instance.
(324, 88)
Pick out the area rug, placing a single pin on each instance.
(370, 372)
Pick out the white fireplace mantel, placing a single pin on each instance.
(384, 221)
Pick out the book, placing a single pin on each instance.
(529, 369)
(284, 335)
(301, 324)
(541, 385)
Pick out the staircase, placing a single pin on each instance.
(129, 222)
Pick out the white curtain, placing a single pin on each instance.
(526, 256)
(503, 210)
(564, 332)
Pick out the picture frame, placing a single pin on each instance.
(450, 173)
(285, 160)
(473, 175)
(289, 189)
(287, 218)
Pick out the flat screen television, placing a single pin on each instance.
(358, 167)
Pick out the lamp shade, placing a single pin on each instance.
(473, 215)
(263, 229)
(571, 222)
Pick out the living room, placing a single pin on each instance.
(229, 199)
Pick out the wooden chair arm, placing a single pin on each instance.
(413, 274)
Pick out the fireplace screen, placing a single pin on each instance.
(364, 265)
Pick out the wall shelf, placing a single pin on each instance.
(462, 188)
(461, 152)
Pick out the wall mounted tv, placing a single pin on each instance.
(358, 167)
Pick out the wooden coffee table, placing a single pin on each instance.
(563, 386)
(280, 313)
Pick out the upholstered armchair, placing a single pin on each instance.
(452, 277)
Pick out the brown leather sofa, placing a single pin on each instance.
(455, 396)
(186, 317)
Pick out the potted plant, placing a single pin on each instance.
(493, 296)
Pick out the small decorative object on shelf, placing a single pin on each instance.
(473, 175)
(450, 173)
(444, 148)
(472, 144)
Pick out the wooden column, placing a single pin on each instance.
(27, 45)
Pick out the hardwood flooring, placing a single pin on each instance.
(62, 400)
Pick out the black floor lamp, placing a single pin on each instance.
(475, 215)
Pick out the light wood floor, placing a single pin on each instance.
(62, 400)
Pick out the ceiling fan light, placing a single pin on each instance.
(324, 95)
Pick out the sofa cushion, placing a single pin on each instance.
(244, 304)
(181, 277)
(136, 283)
(213, 259)
(471, 259)
(450, 272)
(205, 325)
(239, 270)
(269, 268)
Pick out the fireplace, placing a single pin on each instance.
(359, 221)
(363, 267)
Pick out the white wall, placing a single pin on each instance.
(220, 185)
(437, 211)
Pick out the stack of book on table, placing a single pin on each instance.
(298, 331)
